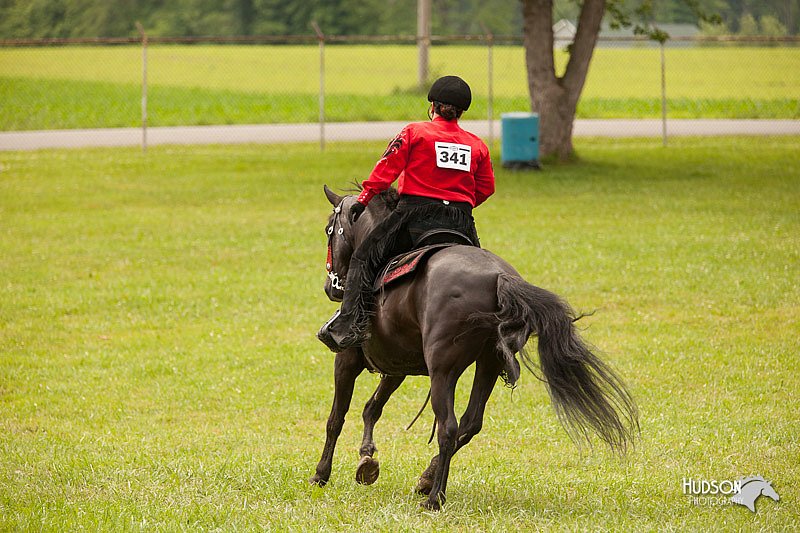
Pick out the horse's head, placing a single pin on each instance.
(770, 492)
(343, 237)
(750, 489)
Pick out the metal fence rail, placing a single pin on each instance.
(160, 81)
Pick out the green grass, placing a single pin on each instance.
(159, 370)
(51, 104)
(85, 86)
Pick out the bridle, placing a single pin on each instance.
(337, 282)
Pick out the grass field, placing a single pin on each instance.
(84, 86)
(159, 370)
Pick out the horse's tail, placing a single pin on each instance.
(586, 393)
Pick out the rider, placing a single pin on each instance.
(444, 172)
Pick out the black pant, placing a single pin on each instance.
(414, 217)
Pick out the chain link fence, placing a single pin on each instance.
(320, 80)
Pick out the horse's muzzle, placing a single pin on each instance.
(334, 286)
(334, 294)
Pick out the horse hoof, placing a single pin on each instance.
(367, 471)
(316, 480)
(431, 504)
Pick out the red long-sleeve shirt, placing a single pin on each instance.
(436, 159)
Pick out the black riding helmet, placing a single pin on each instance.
(451, 90)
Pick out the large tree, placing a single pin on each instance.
(555, 98)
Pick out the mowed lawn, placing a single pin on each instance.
(159, 368)
(95, 86)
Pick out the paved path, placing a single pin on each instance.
(358, 131)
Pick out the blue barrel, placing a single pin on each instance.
(520, 143)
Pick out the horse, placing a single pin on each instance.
(463, 305)
(751, 489)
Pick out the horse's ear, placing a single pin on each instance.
(333, 198)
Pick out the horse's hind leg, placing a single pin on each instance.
(487, 371)
(347, 367)
(368, 468)
(442, 401)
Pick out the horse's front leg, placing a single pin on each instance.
(442, 401)
(368, 468)
(348, 365)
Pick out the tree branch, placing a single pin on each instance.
(583, 46)
(538, 40)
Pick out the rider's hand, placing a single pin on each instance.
(356, 210)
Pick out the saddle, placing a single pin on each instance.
(428, 244)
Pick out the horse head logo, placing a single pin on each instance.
(751, 489)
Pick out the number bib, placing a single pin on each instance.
(452, 155)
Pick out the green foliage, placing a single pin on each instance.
(714, 30)
(734, 13)
(116, 18)
(748, 26)
(641, 16)
(112, 18)
(159, 370)
(772, 27)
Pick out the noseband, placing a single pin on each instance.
(337, 282)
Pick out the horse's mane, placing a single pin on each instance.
(388, 198)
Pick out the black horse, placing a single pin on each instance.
(464, 305)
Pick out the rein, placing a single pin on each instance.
(337, 282)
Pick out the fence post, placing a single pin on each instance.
(144, 85)
(490, 101)
(663, 97)
(321, 39)
(423, 41)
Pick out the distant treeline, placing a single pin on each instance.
(178, 18)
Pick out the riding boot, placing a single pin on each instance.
(349, 326)
(331, 333)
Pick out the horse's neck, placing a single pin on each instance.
(752, 489)
(377, 215)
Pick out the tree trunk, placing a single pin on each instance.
(555, 98)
